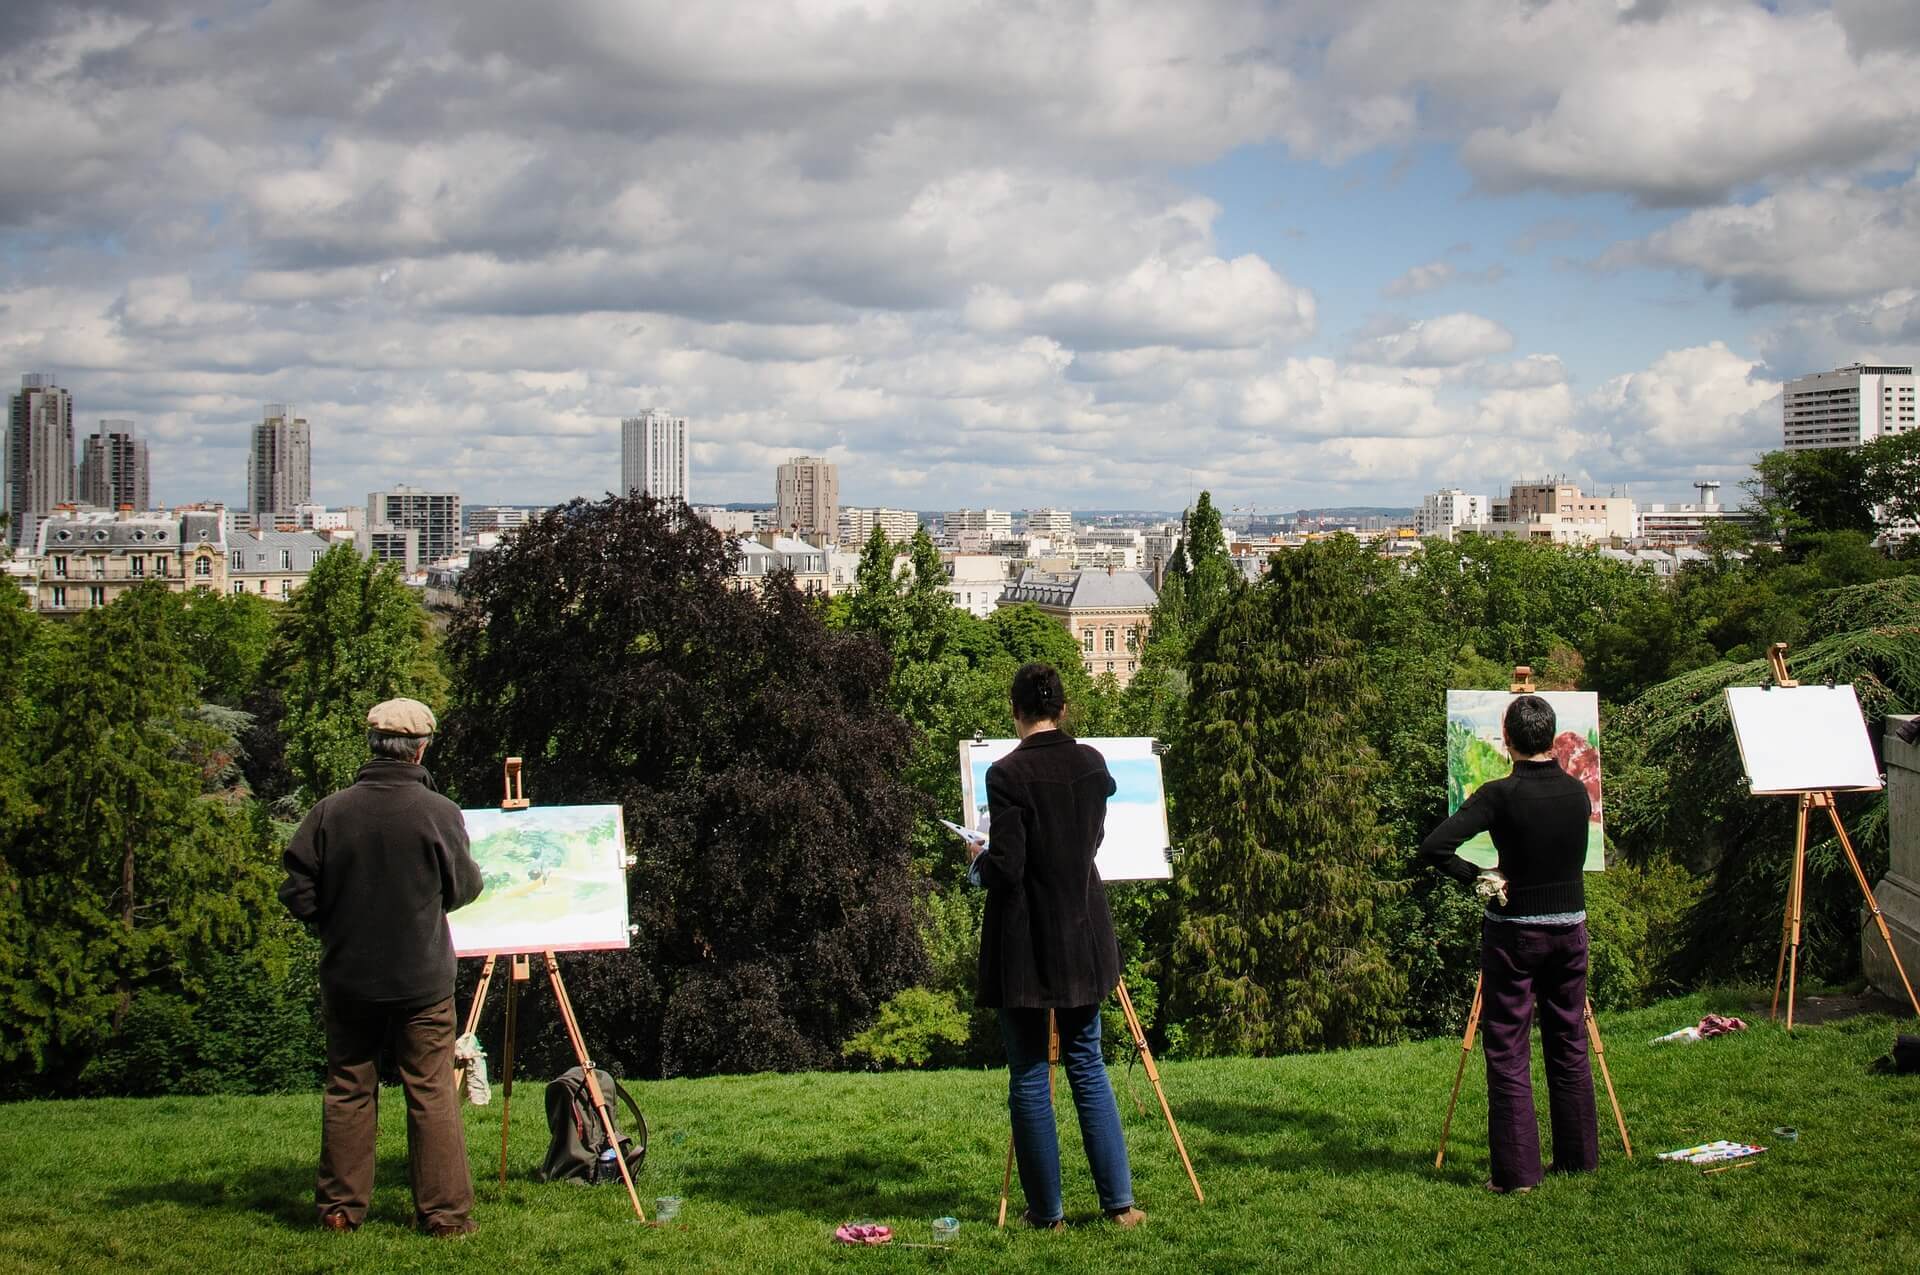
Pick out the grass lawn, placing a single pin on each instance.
(1311, 1163)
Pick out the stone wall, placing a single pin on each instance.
(1899, 891)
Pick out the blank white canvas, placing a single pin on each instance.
(1802, 739)
(1135, 847)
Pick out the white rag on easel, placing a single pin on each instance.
(467, 1052)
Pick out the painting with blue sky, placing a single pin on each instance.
(1137, 841)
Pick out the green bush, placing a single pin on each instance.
(910, 1028)
(1634, 924)
(257, 1029)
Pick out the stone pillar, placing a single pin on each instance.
(1898, 891)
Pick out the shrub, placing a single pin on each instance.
(910, 1028)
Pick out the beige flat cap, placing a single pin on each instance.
(401, 717)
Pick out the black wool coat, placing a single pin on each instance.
(1047, 939)
(373, 870)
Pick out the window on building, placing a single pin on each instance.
(1109, 666)
(1133, 638)
(239, 562)
(286, 559)
(60, 568)
(1109, 644)
(239, 586)
(59, 595)
(286, 589)
(100, 567)
(137, 566)
(203, 565)
(161, 567)
(1086, 640)
(96, 595)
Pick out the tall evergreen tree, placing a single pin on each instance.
(1279, 948)
(129, 878)
(352, 636)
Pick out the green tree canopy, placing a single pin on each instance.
(756, 758)
(1279, 946)
(352, 636)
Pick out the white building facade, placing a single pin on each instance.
(1847, 407)
(1444, 512)
(856, 524)
(654, 455)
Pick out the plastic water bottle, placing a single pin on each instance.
(608, 1167)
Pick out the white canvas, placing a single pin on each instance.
(1797, 739)
(556, 881)
(1135, 848)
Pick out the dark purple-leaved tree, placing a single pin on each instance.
(758, 765)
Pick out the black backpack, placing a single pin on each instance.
(578, 1136)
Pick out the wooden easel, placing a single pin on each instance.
(1522, 684)
(1789, 962)
(515, 798)
(1153, 1075)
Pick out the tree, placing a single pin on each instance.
(1891, 466)
(1822, 489)
(758, 764)
(130, 878)
(1279, 948)
(352, 636)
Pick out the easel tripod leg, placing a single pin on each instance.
(1795, 888)
(1600, 1052)
(593, 1083)
(517, 973)
(1153, 1077)
(1873, 905)
(1466, 1051)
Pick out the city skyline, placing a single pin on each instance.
(1311, 255)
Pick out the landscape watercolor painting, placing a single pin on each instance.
(556, 881)
(1476, 754)
(1135, 848)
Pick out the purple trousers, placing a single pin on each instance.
(1539, 972)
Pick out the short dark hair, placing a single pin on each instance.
(1530, 724)
(396, 747)
(1037, 693)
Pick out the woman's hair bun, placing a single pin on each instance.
(1037, 693)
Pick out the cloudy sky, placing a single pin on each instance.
(1004, 252)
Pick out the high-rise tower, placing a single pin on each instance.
(39, 453)
(280, 467)
(653, 455)
(113, 468)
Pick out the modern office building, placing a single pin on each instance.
(279, 466)
(653, 455)
(857, 524)
(497, 518)
(39, 455)
(113, 468)
(1686, 524)
(385, 543)
(1446, 511)
(1847, 406)
(1055, 524)
(434, 514)
(806, 496)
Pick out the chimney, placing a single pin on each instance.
(1109, 568)
(122, 513)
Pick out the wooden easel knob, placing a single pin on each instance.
(515, 794)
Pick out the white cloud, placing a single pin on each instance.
(1448, 340)
(1809, 242)
(1704, 406)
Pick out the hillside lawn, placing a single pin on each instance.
(1321, 1163)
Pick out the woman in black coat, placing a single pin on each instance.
(1047, 945)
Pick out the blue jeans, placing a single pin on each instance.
(1036, 1145)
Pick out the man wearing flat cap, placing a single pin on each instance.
(373, 871)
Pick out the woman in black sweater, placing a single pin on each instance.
(1533, 948)
(1047, 944)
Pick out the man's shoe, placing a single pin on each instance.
(336, 1220)
(1058, 1224)
(1127, 1218)
(450, 1230)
